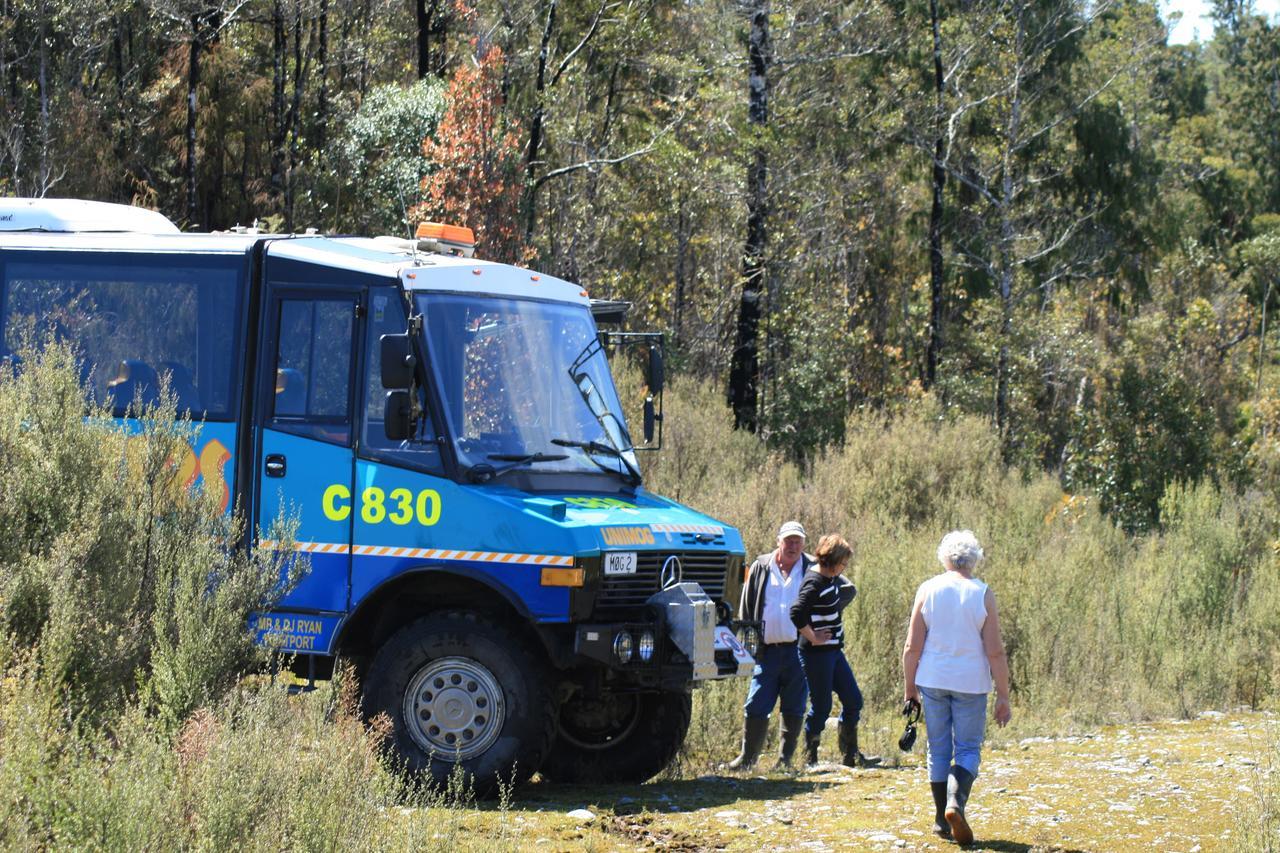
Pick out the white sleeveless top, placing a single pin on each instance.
(954, 611)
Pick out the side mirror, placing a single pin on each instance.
(649, 419)
(655, 375)
(397, 361)
(397, 414)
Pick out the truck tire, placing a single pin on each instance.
(618, 738)
(461, 689)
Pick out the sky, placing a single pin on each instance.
(1195, 23)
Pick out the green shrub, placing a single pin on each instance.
(115, 578)
(260, 770)
(126, 721)
(1099, 624)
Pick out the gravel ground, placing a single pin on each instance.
(1173, 786)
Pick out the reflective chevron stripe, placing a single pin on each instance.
(687, 528)
(428, 553)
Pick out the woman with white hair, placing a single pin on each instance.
(953, 654)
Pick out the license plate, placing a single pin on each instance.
(620, 562)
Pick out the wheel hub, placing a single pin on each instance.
(599, 723)
(454, 708)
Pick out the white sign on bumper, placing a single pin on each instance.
(725, 639)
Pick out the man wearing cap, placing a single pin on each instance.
(772, 587)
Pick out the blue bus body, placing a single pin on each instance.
(505, 548)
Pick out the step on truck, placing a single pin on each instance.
(447, 435)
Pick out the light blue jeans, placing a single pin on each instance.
(956, 724)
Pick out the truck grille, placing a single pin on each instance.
(620, 593)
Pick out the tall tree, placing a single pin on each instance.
(937, 186)
(434, 19)
(564, 46)
(477, 156)
(198, 24)
(1020, 88)
(744, 372)
(1251, 96)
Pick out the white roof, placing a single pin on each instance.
(420, 271)
(88, 226)
(66, 214)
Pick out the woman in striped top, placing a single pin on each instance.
(824, 593)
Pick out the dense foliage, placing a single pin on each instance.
(1036, 209)
(117, 583)
(126, 719)
(1100, 625)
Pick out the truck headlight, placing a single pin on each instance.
(647, 645)
(622, 646)
(750, 639)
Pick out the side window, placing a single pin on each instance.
(313, 368)
(387, 317)
(136, 322)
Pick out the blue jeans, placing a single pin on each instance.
(777, 676)
(827, 670)
(956, 724)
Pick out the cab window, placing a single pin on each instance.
(312, 394)
(387, 317)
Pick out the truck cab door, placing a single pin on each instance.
(305, 466)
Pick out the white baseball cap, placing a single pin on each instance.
(791, 528)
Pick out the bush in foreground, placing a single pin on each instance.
(117, 583)
(126, 717)
(259, 770)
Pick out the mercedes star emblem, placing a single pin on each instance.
(672, 572)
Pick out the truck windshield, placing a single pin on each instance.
(520, 378)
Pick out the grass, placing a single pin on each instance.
(1258, 823)
(126, 722)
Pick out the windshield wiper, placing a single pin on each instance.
(600, 411)
(597, 447)
(485, 472)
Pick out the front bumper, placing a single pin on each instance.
(688, 644)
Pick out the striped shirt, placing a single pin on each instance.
(819, 605)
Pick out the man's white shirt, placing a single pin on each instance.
(780, 594)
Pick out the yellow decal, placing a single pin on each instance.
(428, 498)
(600, 503)
(627, 535)
(376, 506)
(296, 634)
(210, 465)
(373, 506)
(188, 468)
(403, 513)
(333, 494)
(213, 459)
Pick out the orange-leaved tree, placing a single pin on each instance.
(476, 155)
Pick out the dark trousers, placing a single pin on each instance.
(826, 670)
(777, 676)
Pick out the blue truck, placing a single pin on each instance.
(447, 434)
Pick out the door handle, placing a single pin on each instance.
(275, 465)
